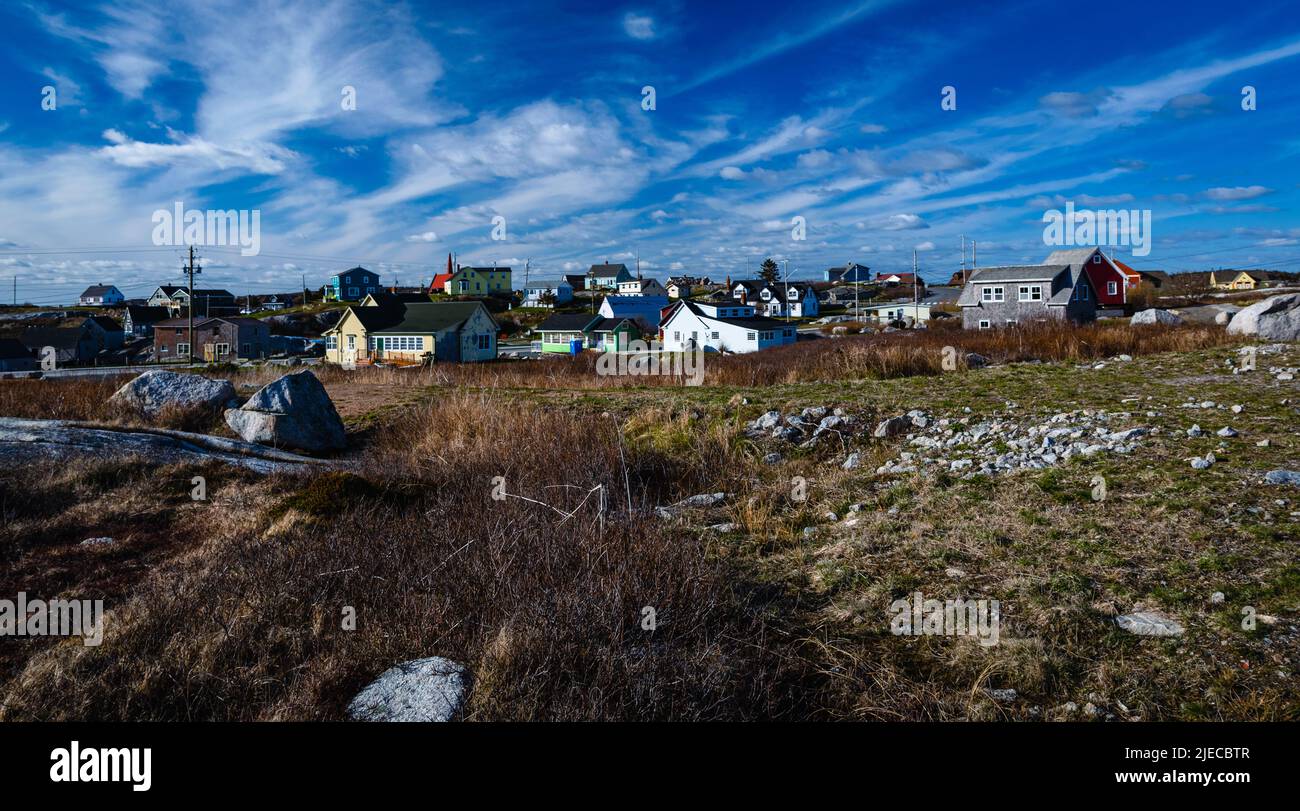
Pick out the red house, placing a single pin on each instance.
(1108, 280)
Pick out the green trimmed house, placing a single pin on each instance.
(397, 329)
(560, 331)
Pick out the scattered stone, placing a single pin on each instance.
(1217, 597)
(294, 411)
(159, 389)
(1282, 477)
(1149, 623)
(725, 527)
(1195, 431)
(1126, 358)
(831, 516)
(852, 462)
(829, 423)
(1263, 443)
(1202, 463)
(770, 419)
(1236, 409)
(1003, 696)
(1155, 317)
(1226, 431)
(1222, 318)
(96, 542)
(954, 573)
(975, 360)
(432, 689)
(700, 500)
(772, 458)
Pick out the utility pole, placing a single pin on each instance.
(787, 290)
(963, 259)
(974, 255)
(190, 270)
(914, 282)
(15, 291)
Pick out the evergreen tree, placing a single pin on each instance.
(768, 271)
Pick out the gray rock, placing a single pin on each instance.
(1202, 463)
(158, 389)
(772, 458)
(828, 423)
(893, 427)
(1222, 318)
(1226, 431)
(1195, 431)
(293, 412)
(1154, 317)
(1003, 696)
(1282, 477)
(975, 360)
(96, 542)
(1276, 318)
(725, 527)
(1149, 623)
(1217, 597)
(432, 689)
(853, 461)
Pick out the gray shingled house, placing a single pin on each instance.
(1026, 294)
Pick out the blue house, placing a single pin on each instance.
(352, 285)
(852, 273)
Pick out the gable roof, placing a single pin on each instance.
(439, 280)
(57, 337)
(425, 316)
(504, 269)
(142, 314)
(105, 323)
(98, 290)
(600, 271)
(1017, 273)
(602, 324)
(11, 348)
(756, 322)
(568, 322)
(357, 269)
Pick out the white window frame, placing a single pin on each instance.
(1030, 292)
(183, 349)
(995, 295)
(986, 324)
(352, 342)
(1112, 288)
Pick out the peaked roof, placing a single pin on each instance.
(356, 269)
(106, 323)
(57, 337)
(750, 322)
(429, 316)
(568, 322)
(13, 348)
(142, 314)
(608, 269)
(98, 290)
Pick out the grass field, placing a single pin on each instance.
(231, 608)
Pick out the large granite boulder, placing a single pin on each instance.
(159, 389)
(293, 412)
(1276, 318)
(1154, 317)
(432, 689)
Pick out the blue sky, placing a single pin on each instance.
(533, 112)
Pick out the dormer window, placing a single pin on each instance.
(1096, 259)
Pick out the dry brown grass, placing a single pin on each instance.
(545, 609)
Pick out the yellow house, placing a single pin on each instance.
(407, 330)
(469, 281)
(1237, 279)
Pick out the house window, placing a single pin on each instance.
(789, 333)
(715, 336)
(1011, 322)
(223, 349)
(1031, 292)
(749, 336)
(164, 349)
(484, 341)
(331, 342)
(247, 350)
(1111, 288)
(984, 323)
(1096, 259)
(182, 349)
(352, 342)
(677, 335)
(992, 294)
(353, 292)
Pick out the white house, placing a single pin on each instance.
(535, 293)
(641, 287)
(778, 299)
(897, 311)
(101, 295)
(678, 289)
(644, 310)
(692, 326)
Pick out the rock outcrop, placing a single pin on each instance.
(293, 412)
(160, 389)
(1276, 318)
(432, 689)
